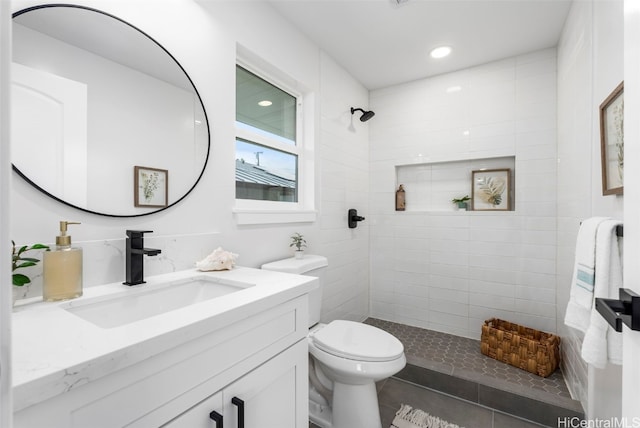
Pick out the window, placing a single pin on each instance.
(265, 174)
(275, 135)
(267, 140)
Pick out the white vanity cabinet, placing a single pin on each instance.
(258, 355)
(267, 397)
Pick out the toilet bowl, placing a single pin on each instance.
(346, 359)
(353, 356)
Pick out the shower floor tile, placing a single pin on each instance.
(461, 358)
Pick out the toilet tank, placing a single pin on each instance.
(309, 265)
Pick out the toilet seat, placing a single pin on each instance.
(357, 341)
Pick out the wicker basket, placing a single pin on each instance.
(523, 347)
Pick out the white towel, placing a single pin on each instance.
(581, 297)
(601, 342)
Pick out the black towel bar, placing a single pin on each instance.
(623, 311)
(619, 230)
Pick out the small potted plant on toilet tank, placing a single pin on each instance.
(297, 241)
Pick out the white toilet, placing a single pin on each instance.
(346, 359)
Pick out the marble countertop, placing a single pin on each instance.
(55, 351)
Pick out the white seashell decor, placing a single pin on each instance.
(218, 260)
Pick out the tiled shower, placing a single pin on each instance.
(446, 270)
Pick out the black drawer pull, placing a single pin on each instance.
(238, 402)
(217, 418)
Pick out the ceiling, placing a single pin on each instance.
(383, 43)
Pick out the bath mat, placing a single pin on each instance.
(408, 417)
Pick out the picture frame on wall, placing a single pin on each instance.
(612, 142)
(491, 190)
(151, 186)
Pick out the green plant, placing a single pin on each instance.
(460, 200)
(298, 241)
(19, 262)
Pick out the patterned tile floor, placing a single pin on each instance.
(461, 357)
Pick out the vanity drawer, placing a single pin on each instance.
(155, 391)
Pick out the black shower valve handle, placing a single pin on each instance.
(353, 218)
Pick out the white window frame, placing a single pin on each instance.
(250, 211)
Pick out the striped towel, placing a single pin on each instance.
(601, 343)
(581, 297)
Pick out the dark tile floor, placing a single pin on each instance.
(393, 392)
(448, 377)
(396, 392)
(461, 357)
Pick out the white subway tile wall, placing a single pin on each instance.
(447, 270)
(343, 163)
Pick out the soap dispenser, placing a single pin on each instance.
(62, 269)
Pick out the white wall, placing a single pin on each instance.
(574, 182)
(203, 38)
(6, 403)
(344, 184)
(590, 66)
(450, 271)
(631, 339)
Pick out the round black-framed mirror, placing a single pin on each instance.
(104, 118)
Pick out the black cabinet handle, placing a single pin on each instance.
(217, 418)
(238, 402)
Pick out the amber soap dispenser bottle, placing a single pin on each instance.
(62, 269)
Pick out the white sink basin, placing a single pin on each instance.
(150, 300)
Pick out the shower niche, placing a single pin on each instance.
(431, 186)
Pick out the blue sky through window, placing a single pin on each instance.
(274, 161)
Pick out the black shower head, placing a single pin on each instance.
(366, 115)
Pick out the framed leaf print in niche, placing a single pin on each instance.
(150, 186)
(612, 142)
(491, 190)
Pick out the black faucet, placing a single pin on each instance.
(134, 255)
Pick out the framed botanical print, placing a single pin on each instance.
(150, 186)
(491, 189)
(612, 142)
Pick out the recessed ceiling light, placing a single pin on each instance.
(265, 103)
(440, 52)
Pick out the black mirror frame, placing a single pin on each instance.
(204, 111)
